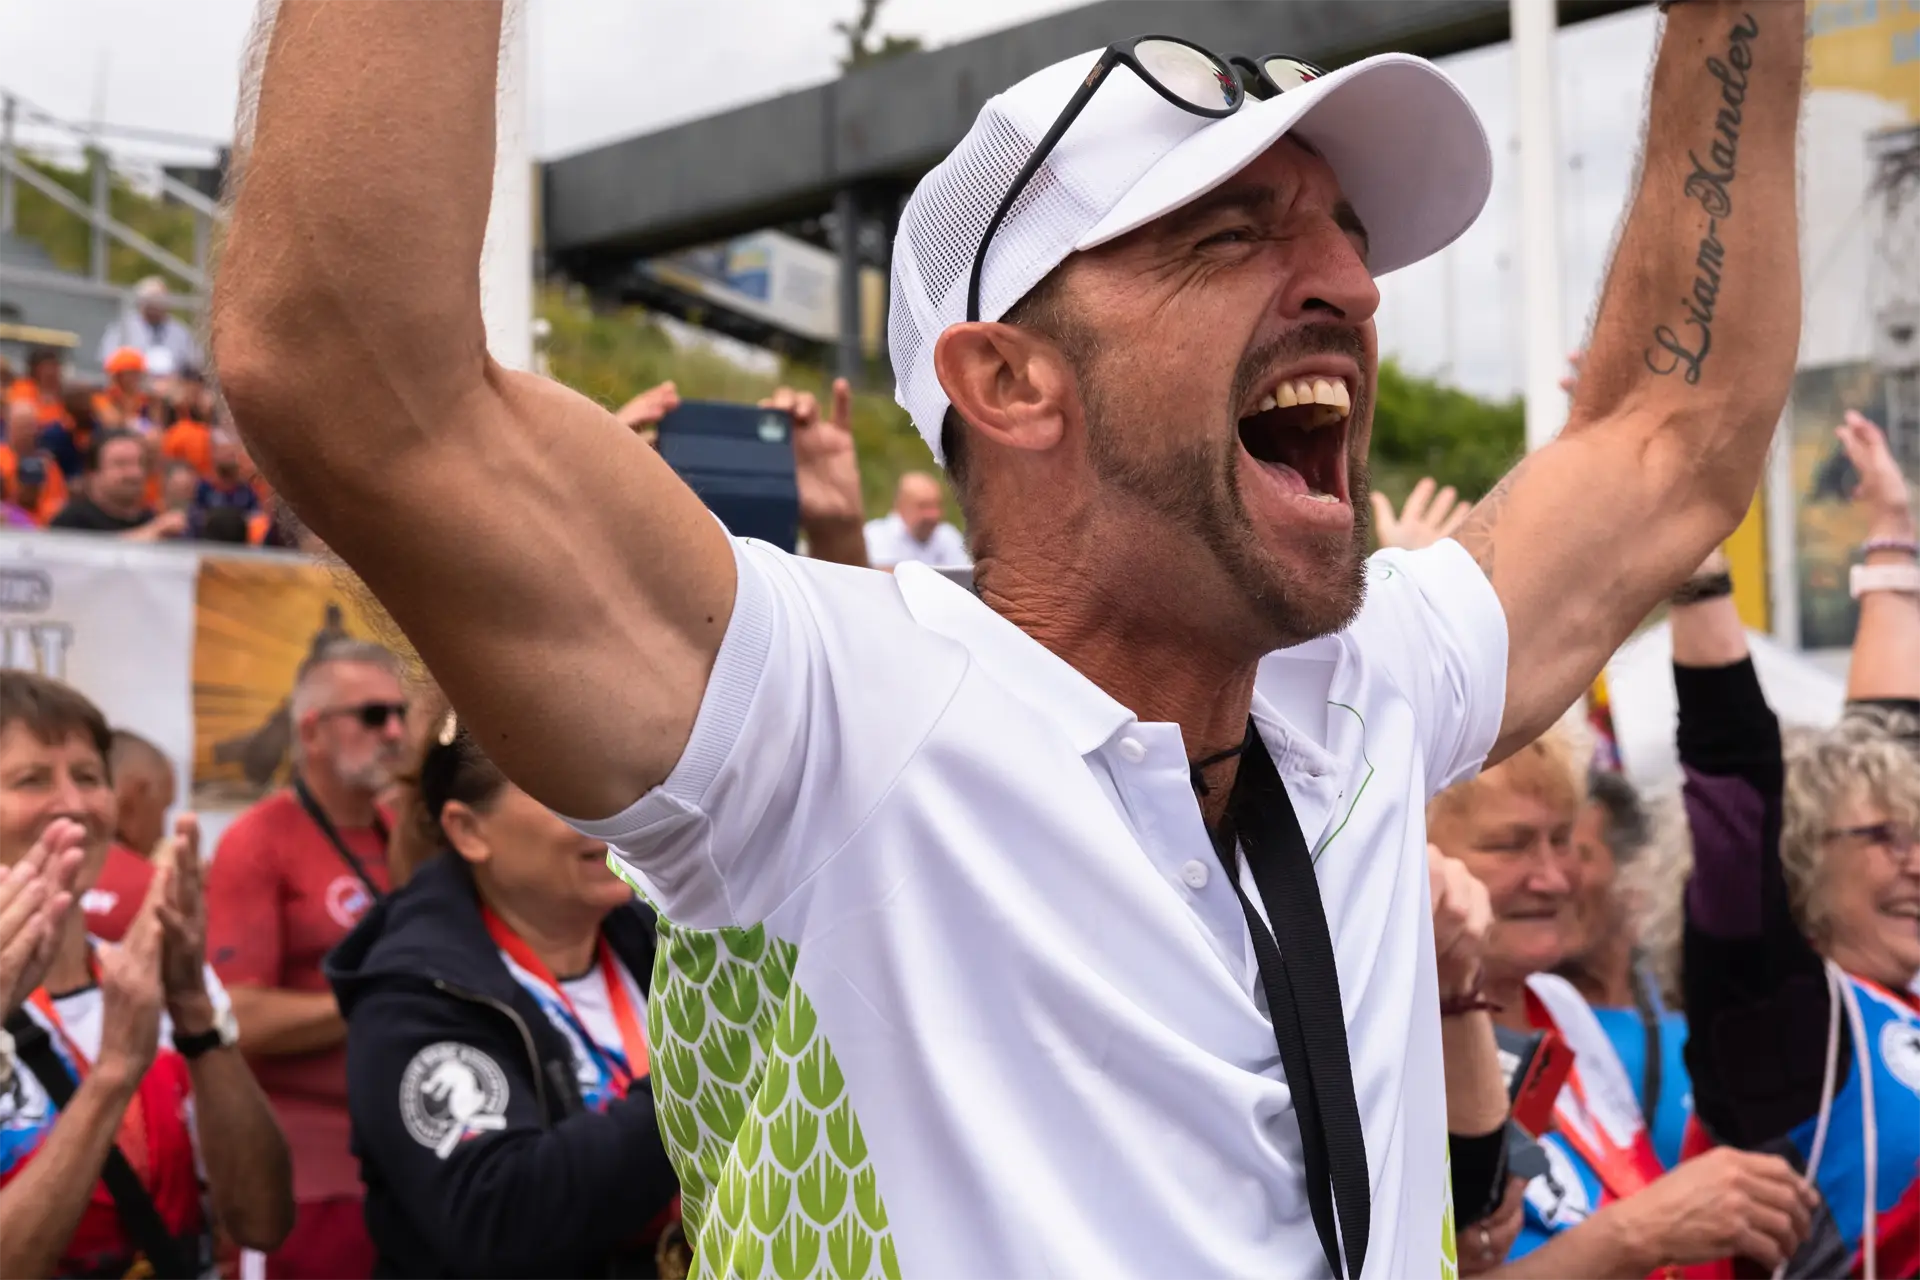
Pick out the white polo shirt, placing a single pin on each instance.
(952, 983)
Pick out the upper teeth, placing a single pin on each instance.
(1297, 391)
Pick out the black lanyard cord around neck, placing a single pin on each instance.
(325, 824)
(1303, 997)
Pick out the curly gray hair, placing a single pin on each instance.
(1862, 756)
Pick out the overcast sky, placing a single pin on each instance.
(603, 69)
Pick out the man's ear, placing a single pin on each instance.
(1010, 384)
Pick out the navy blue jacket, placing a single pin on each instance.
(478, 1156)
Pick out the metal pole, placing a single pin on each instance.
(7, 108)
(846, 216)
(97, 224)
(1534, 23)
(506, 261)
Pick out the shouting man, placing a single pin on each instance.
(1084, 916)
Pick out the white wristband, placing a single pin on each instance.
(1884, 577)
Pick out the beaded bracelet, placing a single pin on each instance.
(1906, 545)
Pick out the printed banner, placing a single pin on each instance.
(195, 652)
(255, 621)
(113, 619)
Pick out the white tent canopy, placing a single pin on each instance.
(1640, 690)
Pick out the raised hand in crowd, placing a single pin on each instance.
(183, 919)
(35, 895)
(641, 415)
(1886, 648)
(1462, 915)
(1424, 519)
(832, 513)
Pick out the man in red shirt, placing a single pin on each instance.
(292, 876)
(143, 785)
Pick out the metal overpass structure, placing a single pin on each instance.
(840, 158)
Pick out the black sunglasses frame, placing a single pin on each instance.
(1241, 77)
(1118, 54)
(371, 715)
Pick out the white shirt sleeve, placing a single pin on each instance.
(1433, 620)
(823, 689)
(949, 546)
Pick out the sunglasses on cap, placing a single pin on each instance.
(1188, 76)
(371, 715)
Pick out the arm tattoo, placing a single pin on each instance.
(1477, 534)
(1711, 185)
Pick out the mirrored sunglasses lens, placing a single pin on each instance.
(1187, 73)
(1290, 73)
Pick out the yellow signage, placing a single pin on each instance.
(1870, 46)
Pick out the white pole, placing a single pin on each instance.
(1534, 23)
(506, 263)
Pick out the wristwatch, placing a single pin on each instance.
(223, 1034)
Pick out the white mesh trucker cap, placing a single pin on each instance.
(1408, 150)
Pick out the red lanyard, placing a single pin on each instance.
(44, 1003)
(633, 1042)
(1623, 1170)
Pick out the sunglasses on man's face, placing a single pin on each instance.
(1186, 75)
(371, 715)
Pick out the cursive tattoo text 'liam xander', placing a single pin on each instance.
(1683, 348)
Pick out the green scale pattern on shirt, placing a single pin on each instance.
(774, 1173)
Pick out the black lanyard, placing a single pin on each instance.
(321, 821)
(1303, 996)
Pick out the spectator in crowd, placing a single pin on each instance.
(29, 477)
(124, 403)
(1604, 1207)
(1803, 910)
(224, 524)
(1424, 518)
(916, 529)
(114, 499)
(293, 875)
(179, 486)
(130, 1094)
(515, 965)
(189, 437)
(150, 329)
(230, 487)
(143, 785)
(44, 387)
(69, 437)
(1604, 965)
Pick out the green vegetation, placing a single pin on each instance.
(66, 237)
(1419, 427)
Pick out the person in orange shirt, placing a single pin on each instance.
(190, 438)
(42, 490)
(43, 388)
(124, 403)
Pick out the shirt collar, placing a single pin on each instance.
(1027, 669)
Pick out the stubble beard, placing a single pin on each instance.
(1196, 487)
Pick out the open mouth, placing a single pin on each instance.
(1298, 434)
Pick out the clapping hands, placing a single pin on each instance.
(35, 895)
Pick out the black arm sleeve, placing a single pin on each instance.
(514, 1198)
(1479, 1174)
(1755, 989)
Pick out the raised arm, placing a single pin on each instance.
(1886, 648)
(1687, 372)
(568, 591)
